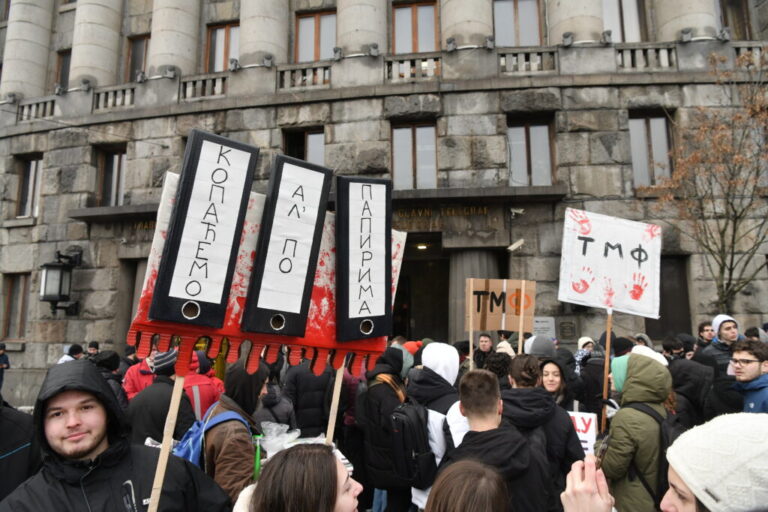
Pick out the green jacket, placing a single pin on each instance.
(634, 435)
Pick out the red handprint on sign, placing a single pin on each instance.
(582, 285)
(651, 232)
(639, 284)
(583, 222)
(608, 293)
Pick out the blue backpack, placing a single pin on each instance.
(191, 445)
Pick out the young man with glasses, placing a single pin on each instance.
(750, 365)
(706, 335)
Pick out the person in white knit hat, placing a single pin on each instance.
(729, 475)
(726, 475)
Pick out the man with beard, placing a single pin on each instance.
(88, 461)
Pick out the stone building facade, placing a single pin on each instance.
(491, 117)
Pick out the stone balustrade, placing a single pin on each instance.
(203, 86)
(640, 57)
(412, 67)
(108, 98)
(312, 75)
(523, 61)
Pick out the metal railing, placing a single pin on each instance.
(413, 67)
(523, 61)
(311, 75)
(639, 57)
(203, 86)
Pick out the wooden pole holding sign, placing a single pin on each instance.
(521, 305)
(606, 368)
(470, 283)
(165, 449)
(331, 430)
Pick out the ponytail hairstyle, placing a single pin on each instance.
(525, 371)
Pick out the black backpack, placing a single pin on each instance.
(411, 454)
(669, 430)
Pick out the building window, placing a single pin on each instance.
(111, 176)
(62, 68)
(315, 36)
(530, 153)
(136, 60)
(734, 14)
(5, 6)
(29, 187)
(650, 144)
(625, 19)
(516, 23)
(16, 290)
(414, 158)
(223, 44)
(307, 145)
(415, 28)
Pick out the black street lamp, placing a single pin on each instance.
(56, 282)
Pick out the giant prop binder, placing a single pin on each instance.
(210, 244)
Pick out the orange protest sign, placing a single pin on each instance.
(500, 304)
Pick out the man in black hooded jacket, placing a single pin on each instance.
(89, 464)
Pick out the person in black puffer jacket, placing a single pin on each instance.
(89, 464)
(19, 450)
(108, 363)
(385, 392)
(309, 393)
(275, 408)
(691, 382)
(533, 410)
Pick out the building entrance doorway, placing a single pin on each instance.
(421, 303)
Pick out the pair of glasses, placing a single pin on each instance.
(744, 362)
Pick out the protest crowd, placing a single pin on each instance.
(429, 427)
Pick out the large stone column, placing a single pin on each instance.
(264, 29)
(27, 43)
(476, 263)
(174, 37)
(583, 18)
(672, 17)
(469, 22)
(360, 23)
(96, 42)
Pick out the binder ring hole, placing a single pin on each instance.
(190, 310)
(277, 322)
(366, 327)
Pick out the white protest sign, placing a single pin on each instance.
(585, 424)
(609, 262)
(209, 231)
(367, 255)
(290, 246)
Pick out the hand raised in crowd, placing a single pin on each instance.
(586, 488)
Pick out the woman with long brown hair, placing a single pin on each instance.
(468, 485)
(305, 478)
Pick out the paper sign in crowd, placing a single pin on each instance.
(609, 262)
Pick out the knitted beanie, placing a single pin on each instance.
(506, 348)
(621, 346)
(412, 346)
(165, 362)
(725, 462)
(583, 341)
(718, 321)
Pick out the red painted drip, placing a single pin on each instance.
(320, 361)
(214, 347)
(357, 364)
(186, 347)
(294, 355)
(164, 344)
(338, 358)
(234, 350)
(272, 354)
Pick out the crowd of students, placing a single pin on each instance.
(498, 436)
